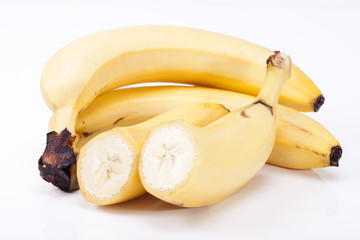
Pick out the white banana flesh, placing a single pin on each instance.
(110, 163)
(170, 159)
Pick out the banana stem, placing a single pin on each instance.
(57, 165)
(278, 71)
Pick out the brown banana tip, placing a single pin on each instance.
(318, 103)
(57, 163)
(335, 155)
(271, 58)
(225, 108)
(279, 60)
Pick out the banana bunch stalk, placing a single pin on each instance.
(103, 130)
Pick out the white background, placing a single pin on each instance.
(322, 37)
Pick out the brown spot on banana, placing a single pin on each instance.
(298, 127)
(86, 134)
(225, 107)
(317, 153)
(304, 130)
(118, 120)
(243, 113)
(266, 105)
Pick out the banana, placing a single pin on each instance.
(301, 142)
(192, 166)
(97, 63)
(107, 165)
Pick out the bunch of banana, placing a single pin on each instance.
(301, 142)
(104, 129)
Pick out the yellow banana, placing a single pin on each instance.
(94, 64)
(193, 166)
(107, 165)
(301, 142)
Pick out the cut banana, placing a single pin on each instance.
(199, 166)
(107, 165)
(110, 163)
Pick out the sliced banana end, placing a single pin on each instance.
(167, 158)
(106, 165)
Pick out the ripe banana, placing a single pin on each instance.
(107, 165)
(97, 63)
(301, 142)
(194, 166)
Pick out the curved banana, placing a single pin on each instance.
(107, 165)
(301, 142)
(203, 165)
(94, 64)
